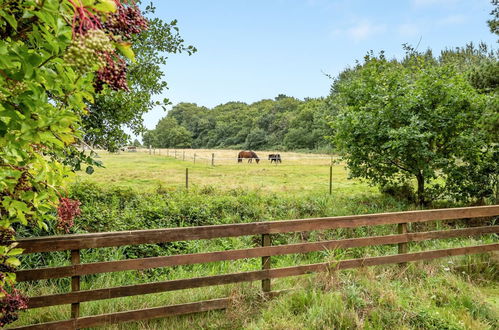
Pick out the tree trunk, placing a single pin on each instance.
(420, 193)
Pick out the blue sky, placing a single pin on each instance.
(254, 49)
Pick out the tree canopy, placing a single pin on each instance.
(419, 118)
(282, 123)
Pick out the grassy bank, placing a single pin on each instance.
(455, 293)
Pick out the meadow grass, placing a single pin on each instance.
(302, 174)
(141, 191)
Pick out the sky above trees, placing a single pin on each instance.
(250, 50)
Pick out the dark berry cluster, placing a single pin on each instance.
(10, 304)
(126, 22)
(68, 209)
(112, 74)
(93, 36)
(6, 235)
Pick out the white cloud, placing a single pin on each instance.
(409, 30)
(360, 30)
(452, 20)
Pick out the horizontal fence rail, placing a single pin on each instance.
(75, 243)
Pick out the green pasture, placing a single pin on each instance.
(297, 176)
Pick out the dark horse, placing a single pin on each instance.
(275, 158)
(247, 154)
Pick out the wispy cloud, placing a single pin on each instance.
(361, 30)
(452, 20)
(409, 30)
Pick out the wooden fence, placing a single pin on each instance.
(75, 243)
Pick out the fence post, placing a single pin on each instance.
(175, 151)
(167, 152)
(183, 154)
(75, 284)
(212, 159)
(154, 151)
(187, 179)
(150, 150)
(403, 247)
(266, 263)
(330, 179)
(194, 158)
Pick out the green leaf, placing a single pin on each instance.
(125, 48)
(12, 261)
(106, 6)
(10, 19)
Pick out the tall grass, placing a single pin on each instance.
(433, 295)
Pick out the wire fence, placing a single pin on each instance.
(216, 157)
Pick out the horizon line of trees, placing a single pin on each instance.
(284, 123)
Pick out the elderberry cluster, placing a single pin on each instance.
(68, 209)
(86, 50)
(125, 22)
(10, 304)
(112, 74)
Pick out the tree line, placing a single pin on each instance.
(282, 123)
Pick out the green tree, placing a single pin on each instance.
(396, 121)
(169, 134)
(115, 109)
(53, 56)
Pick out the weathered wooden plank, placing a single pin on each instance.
(135, 315)
(156, 287)
(187, 259)
(84, 241)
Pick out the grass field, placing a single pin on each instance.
(297, 174)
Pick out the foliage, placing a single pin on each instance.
(494, 21)
(53, 54)
(168, 134)
(115, 109)
(415, 119)
(284, 123)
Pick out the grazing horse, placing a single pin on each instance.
(275, 158)
(247, 154)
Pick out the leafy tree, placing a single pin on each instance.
(115, 109)
(396, 121)
(168, 134)
(494, 21)
(54, 55)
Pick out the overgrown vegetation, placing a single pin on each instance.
(452, 293)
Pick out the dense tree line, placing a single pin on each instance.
(282, 123)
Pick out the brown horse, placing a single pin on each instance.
(247, 154)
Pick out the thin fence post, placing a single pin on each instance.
(159, 152)
(212, 159)
(266, 263)
(154, 151)
(175, 151)
(194, 158)
(168, 152)
(150, 150)
(187, 179)
(330, 179)
(403, 247)
(75, 284)
(183, 154)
